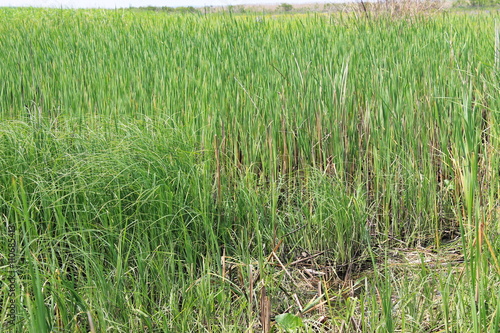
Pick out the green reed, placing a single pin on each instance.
(145, 153)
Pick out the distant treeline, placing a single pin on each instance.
(189, 9)
(399, 6)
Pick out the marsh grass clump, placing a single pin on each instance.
(169, 172)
